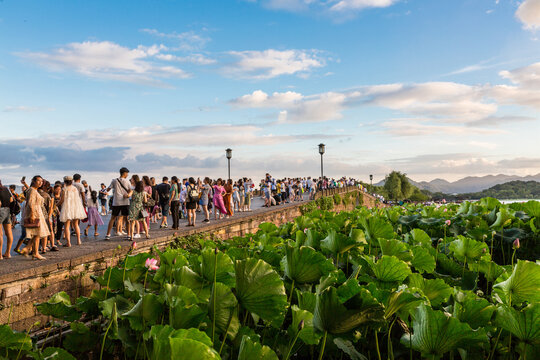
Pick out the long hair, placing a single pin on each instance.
(93, 195)
(146, 180)
(139, 186)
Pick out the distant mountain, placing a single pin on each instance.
(510, 190)
(470, 184)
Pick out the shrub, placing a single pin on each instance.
(337, 199)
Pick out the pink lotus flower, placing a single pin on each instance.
(305, 230)
(516, 244)
(447, 222)
(445, 210)
(151, 264)
(134, 245)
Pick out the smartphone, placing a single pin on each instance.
(23, 178)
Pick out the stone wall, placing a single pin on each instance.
(19, 291)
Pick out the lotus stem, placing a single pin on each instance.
(226, 331)
(377, 345)
(25, 337)
(390, 347)
(44, 341)
(214, 298)
(292, 345)
(495, 345)
(290, 296)
(105, 338)
(513, 255)
(323, 345)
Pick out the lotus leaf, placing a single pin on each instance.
(183, 309)
(401, 301)
(147, 311)
(59, 306)
(305, 264)
(80, 339)
(471, 309)
(187, 277)
(436, 290)
(335, 317)
(467, 249)
(54, 353)
(397, 248)
(408, 220)
(260, 290)
(522, 285)
(348, 348)
(224, 310)
(223, 270)
(337, 243)
(306, 300)
(435, 334)
(523, 324)
(419, 236)
(490, 203)
(422, 260)
(376, 228)
(13, 340)
(169, 260)
(113, 277)
(250, 349)
(390, 269)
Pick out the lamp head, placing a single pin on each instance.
(228, 153)
(370, 177)
(321, 148)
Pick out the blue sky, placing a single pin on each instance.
(446, 88)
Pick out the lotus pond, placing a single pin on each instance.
(453, 282)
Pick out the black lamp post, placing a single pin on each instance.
(228, 153)
(321, 151)
(371, 183)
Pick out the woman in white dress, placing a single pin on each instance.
(72, 210)
(33, 214)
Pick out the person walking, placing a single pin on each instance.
(121, 193)
(205, 197)
(48, 204)
(103, 194)
(72, 210)
(227, 198)
(94, 218)
(6, 199)
(34, 221)
(137, 212)
(191, 201)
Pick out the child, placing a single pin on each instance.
(94, 218)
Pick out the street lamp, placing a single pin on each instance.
(371, 183)
(228, 153)
(321, 151)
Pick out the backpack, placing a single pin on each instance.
(193, 194)
(15, 208)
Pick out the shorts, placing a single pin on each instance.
(164, 208)
(120, 210)
(247, 200)
(5, 216)
(103, 202)
(191, 205)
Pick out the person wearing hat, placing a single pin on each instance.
(72, 211)
(121, 188)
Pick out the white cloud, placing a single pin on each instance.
(529, 14)
(347, 5)
(185, 41)
(326, 6)
(528, 76)
(421, 127)
(198, 59)
(23, 108)
(271, 63)
(108, 60)
(260, 99)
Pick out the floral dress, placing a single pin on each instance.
(34, 205)
(136, 206)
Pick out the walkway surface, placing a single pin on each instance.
(92, 244)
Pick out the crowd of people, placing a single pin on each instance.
(50, 215)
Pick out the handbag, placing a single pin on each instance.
(149, 203)
(144, 213)
(31, 224)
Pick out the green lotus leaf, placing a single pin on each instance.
(268, 227)
(337, 243)
(397, 248)
(408, 220)
(523, 324)
(471, 309)
(59, 306)
(224, 269)
(464, 208)
(306, 332)
(376, 228)
(489, 203)
(390, 269)
(348, 348)
(186, 277)
(54, 353)
(180, 344)
(419, 236)
(532, 208)
(224, 310)
(422, 260)
(436, 290)
(401, 301)
(186, 348)
(183, 309)
(10, 339)
(489, 268)
(113, 277)
(503, 218)
(306, 300)
(522, 285)
(250, 349)
(313, 239)
(147, 311)
(336, 317)
(260, 290)
(435, 334)
(305, 264)
(358, 235)
(133, 261)
(431, 221)
(467, 249)
(121, 303)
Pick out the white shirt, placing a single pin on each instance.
(119, 191)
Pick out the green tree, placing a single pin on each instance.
(397, 186)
